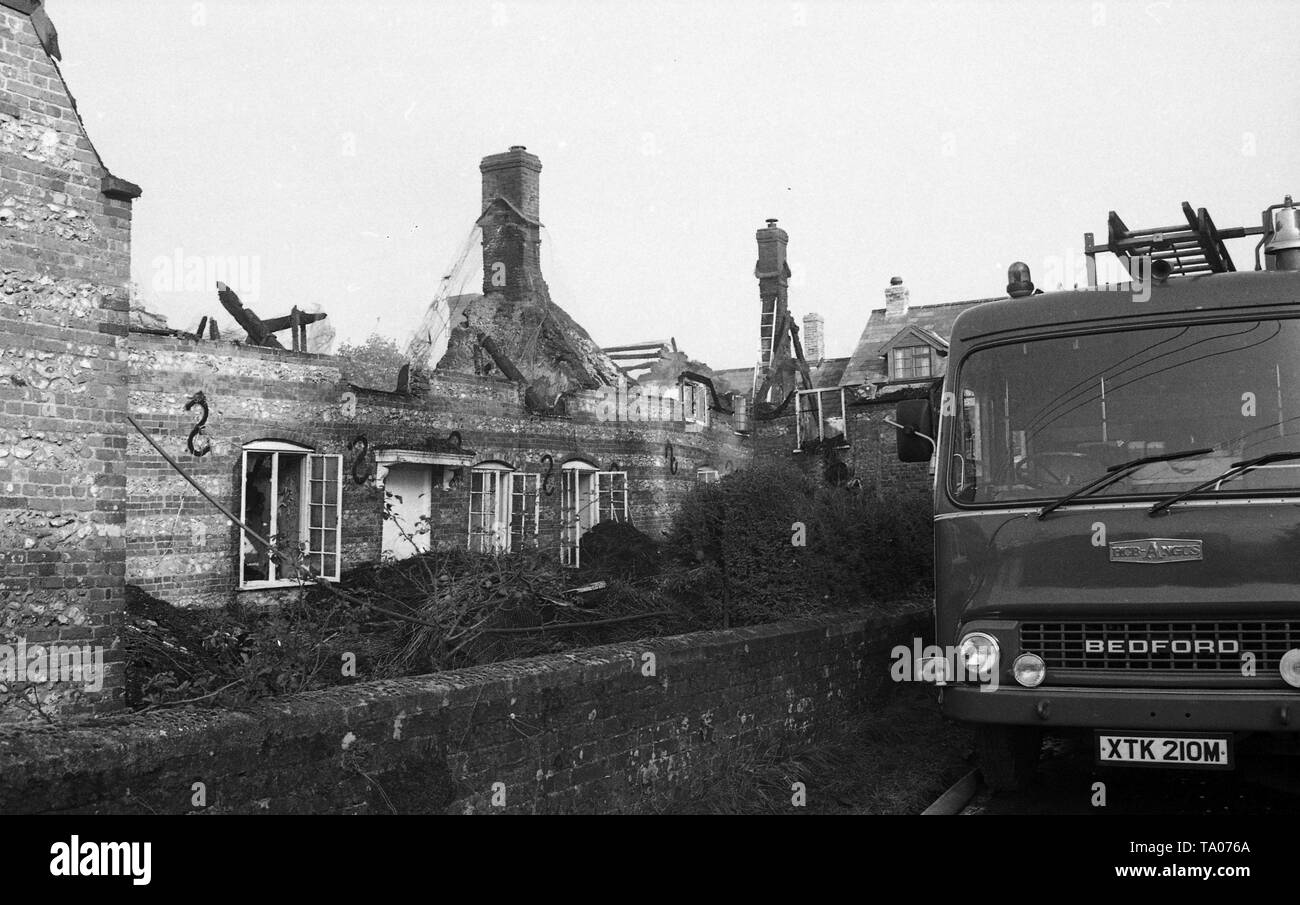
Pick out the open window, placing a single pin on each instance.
(578, 510)
(293, 497)
(695, 403)
(489, 507)
(820, 418)
(588, 497)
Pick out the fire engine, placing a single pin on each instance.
(1117, 502)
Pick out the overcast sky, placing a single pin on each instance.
(334, 146)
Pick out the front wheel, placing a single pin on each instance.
(1007, 755)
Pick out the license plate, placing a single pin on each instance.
(1164, 749)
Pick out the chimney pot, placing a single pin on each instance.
(771, 222)
(518, 148)
(896, 298)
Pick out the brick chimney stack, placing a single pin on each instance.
(773, 287)
(510, 221)
(896, 298)
(814, 329)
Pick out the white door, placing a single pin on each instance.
(407, 493)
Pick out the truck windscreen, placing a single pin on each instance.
(1036, 419)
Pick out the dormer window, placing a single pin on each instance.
(911, 363)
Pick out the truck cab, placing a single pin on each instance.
(1117, 510)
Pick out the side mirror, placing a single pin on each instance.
(914, 421)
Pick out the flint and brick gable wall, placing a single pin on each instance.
(64, 268)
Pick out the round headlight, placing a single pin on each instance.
(1289, 666)
(979, 655)
(1029, 670)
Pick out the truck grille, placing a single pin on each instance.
(1203, 647)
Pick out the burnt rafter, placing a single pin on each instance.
(262, 332)
(533, 400)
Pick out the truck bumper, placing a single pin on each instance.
(1130, 708)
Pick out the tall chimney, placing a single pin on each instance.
(773, 285)
(896, 298)
(511, 228)
(814, 328)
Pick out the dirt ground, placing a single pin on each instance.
(896, 760)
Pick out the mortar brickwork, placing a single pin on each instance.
(64, 267)
(181, 548)
(586, 731)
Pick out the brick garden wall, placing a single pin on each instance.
(64, 268)
(586, 731)
(181, 549)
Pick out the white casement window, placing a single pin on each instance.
(706, 475)
(489, 508)
(588, 497)
(820, 417)
(911, 363)
(695, 402)
(292, 497)
(578, 510)
(525, 504)
(611, 496)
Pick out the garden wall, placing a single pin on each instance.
(621, 728)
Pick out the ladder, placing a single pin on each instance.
(1194, 247)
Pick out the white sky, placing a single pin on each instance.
(936, 141)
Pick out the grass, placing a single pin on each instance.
(895, 759)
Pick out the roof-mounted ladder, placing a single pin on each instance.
(1194, 247)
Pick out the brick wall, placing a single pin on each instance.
(586, 731)
(64, 268)
(872, 456)
(181, 549)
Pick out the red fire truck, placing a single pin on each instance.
(1117, 503)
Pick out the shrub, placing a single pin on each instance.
(859, 544)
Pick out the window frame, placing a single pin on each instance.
(572, 477)
(526, 537)
(612, 476)
(911, 353)
(799, 412)
(501, 508)
(276, 449)
(695, 402)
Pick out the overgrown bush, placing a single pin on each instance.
(768, 542)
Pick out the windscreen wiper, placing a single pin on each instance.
(1118, 472)
(1235, 469)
